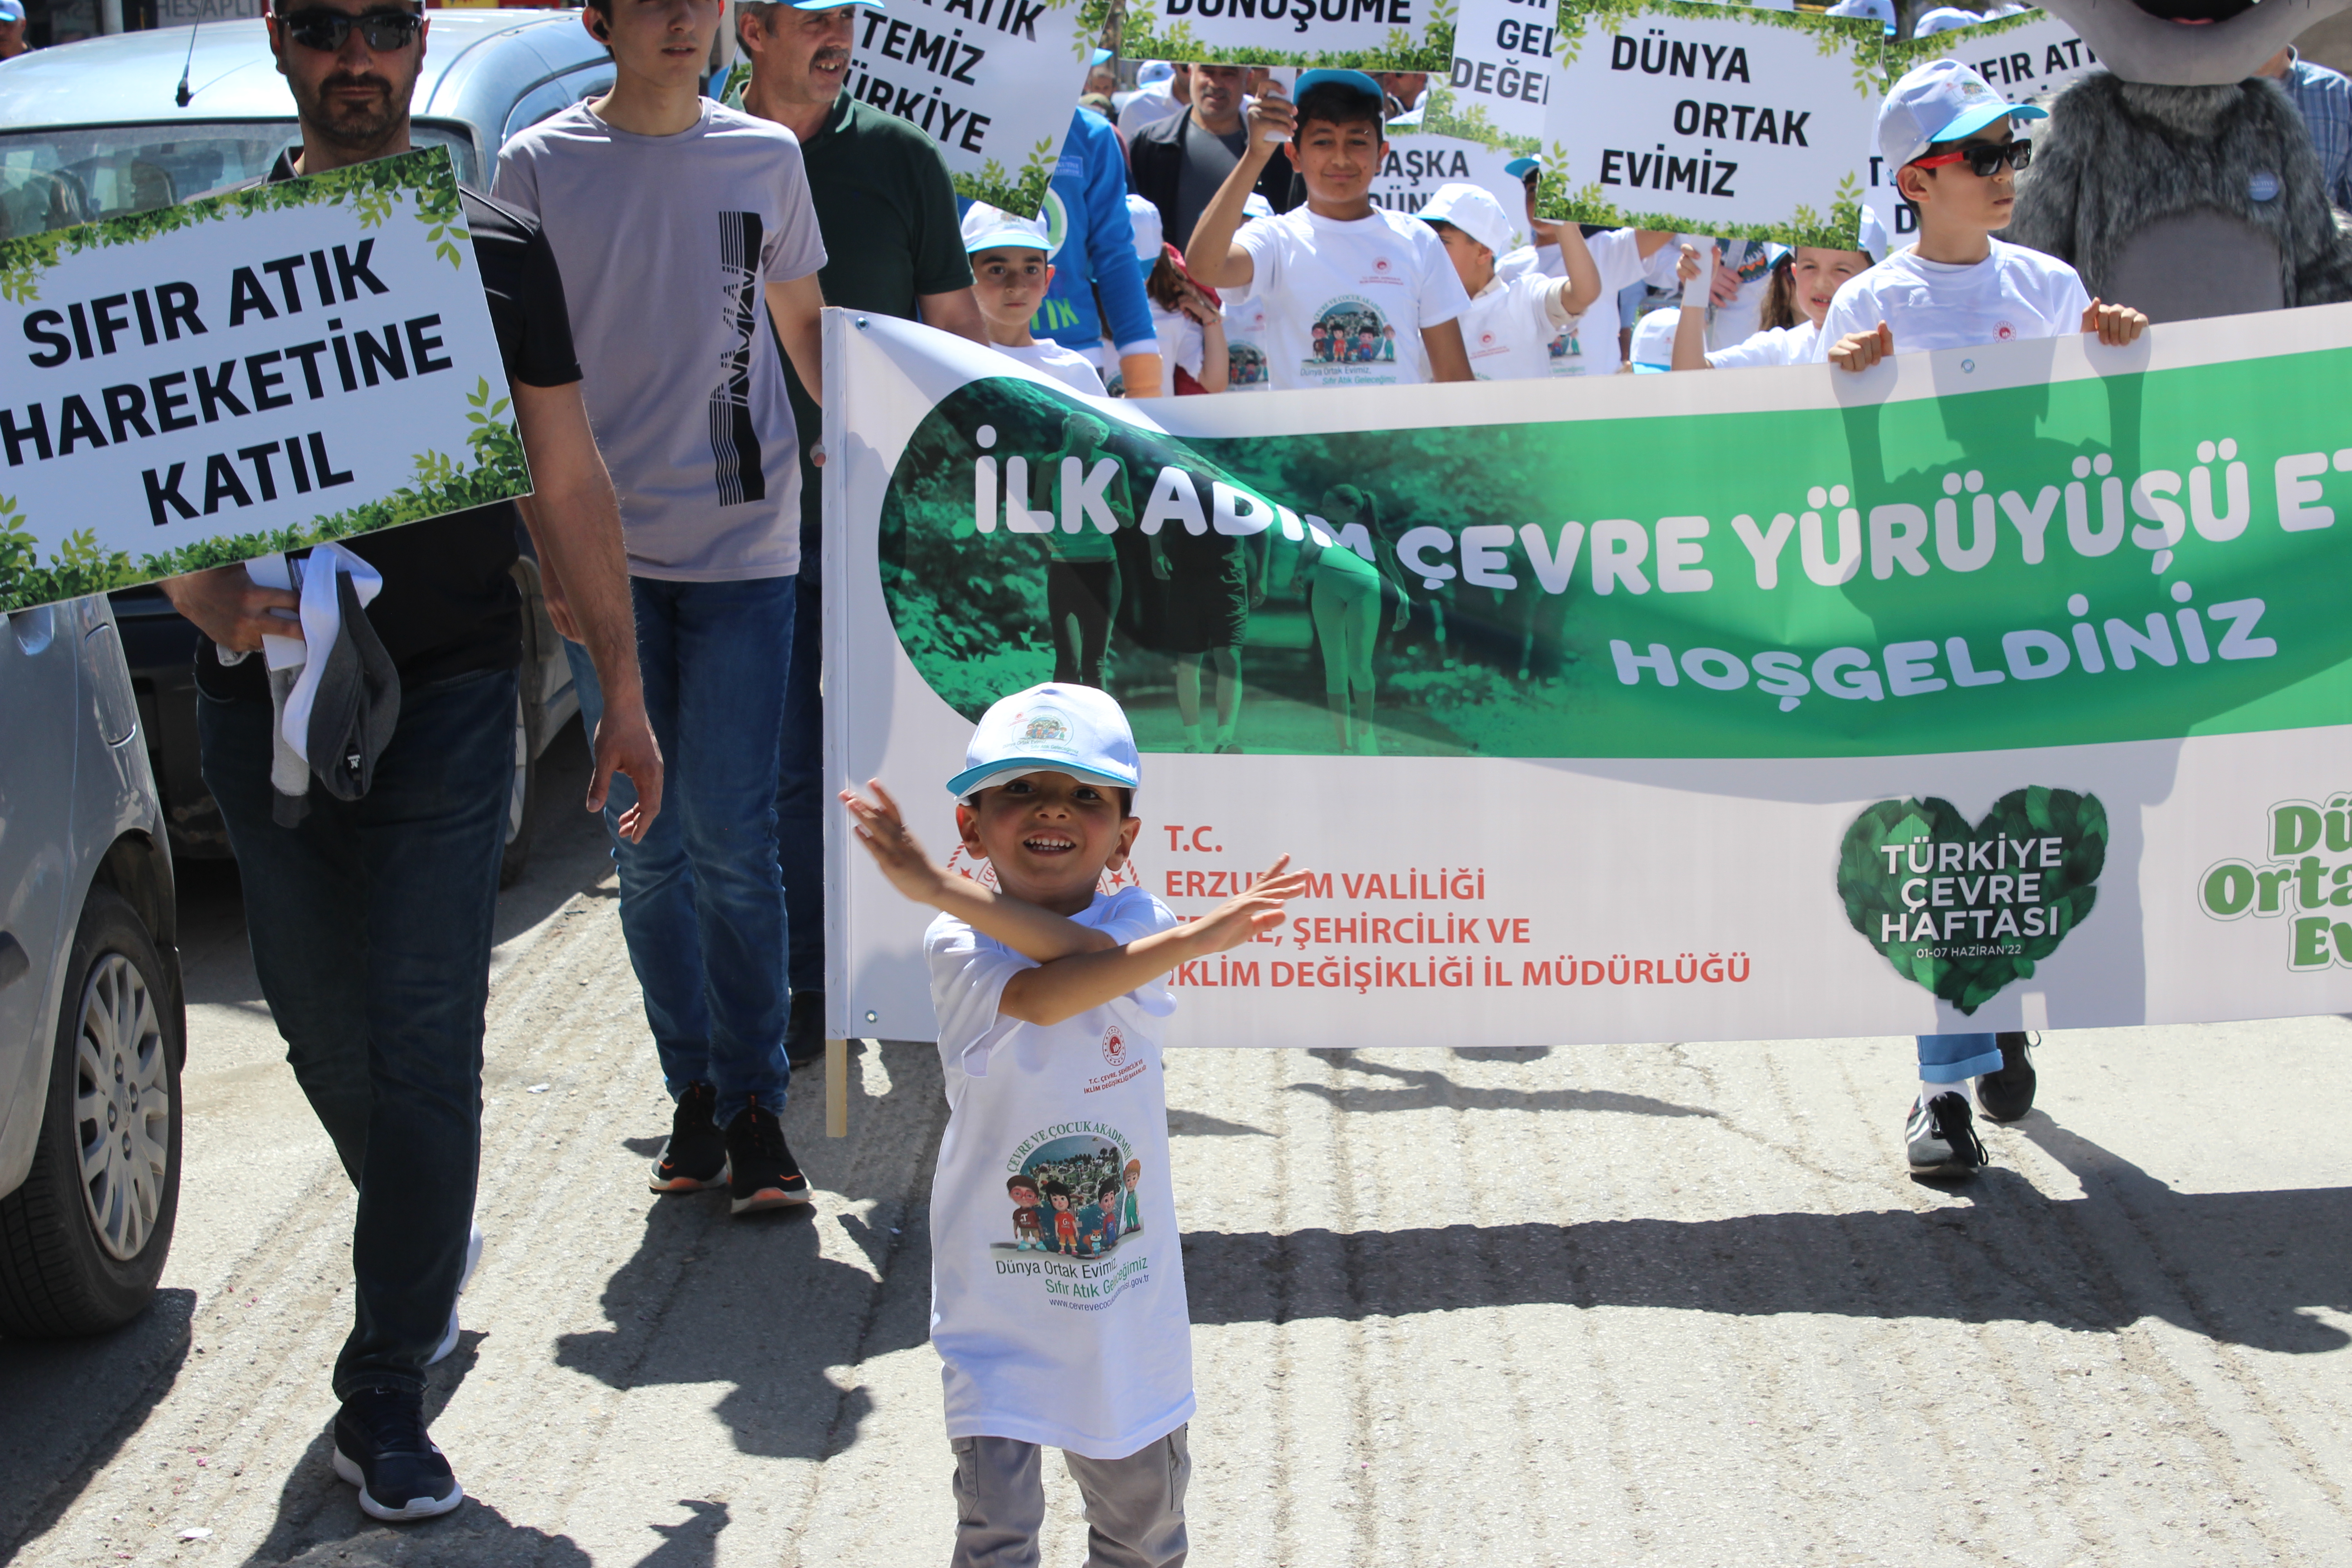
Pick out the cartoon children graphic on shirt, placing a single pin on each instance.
(1133, 1218)
(1065, 1221)
(1388, 345)
(1028, 1227)
(1367, 350)
(1107, 1200)
(1322, 336)
(1091, 1226)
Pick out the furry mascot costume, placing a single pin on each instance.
(2178, 180)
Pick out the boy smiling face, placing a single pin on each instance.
(1049, 837)
(1338, 163)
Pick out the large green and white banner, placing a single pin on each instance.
(1993, 688)
(255, 371)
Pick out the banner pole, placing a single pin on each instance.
(836, 1088)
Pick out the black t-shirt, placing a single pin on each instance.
(448, 605)
(888, 210)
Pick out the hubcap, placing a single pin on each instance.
(122, 1106)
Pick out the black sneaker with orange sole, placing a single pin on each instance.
(695, 1158)
(765, 1175)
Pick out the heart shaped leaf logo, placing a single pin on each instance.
(1964, 911)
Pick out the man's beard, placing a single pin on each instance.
(353, 125)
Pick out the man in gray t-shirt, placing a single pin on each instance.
(684, 230)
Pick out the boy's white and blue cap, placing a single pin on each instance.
(1474, 210)
(1155, 72)
(1355, 82)
(1050, 728)
(1942, 100)
(12, 10)
(993, 229)
(1520, 168)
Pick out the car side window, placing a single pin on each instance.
(537, 105)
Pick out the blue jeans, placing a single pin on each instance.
(1949, 1058)
(370, 923)
(702, 902)
(800, 791)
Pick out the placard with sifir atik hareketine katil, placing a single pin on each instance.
(255, 371)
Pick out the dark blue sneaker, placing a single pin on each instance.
(1942, 1137)
(381, 1447)
(2006, 1094)
(762, 1173)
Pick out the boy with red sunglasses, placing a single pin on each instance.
(1948, 137)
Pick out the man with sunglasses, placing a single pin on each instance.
(371, 919)
(1947, 136)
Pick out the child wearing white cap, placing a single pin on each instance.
(1011, 267)
(1947, 135)
(1053, 1332)
(1622, 257)
(1512, 321)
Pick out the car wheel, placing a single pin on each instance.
(522, 793)
(83, 1241)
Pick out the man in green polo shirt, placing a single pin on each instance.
(893, 248)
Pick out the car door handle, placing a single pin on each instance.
(15, 964)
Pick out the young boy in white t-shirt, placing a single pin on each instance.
(1010, 273)
(1947, 135)
(1054, 1331)
(1511, 324)
(1354, 296)
(1623, 258)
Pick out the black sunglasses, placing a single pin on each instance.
(1984, 159)
(325, 30)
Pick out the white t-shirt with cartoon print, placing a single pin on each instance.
(1509, 328)
(1245, 360)
(1057, 1274)
(1346, 301)
(2012, 293)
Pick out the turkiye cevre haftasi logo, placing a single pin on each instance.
(2304, 878)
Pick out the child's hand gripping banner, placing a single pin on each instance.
(251, 373)
(1995, 688)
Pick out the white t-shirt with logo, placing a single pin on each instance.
(1800, 344)
(1346, 301)
(1061, 1322)
(2012, 293)
(1508, 329)
(1067, 366)
(1590, 347)
(1182, 345)
(1245, 362)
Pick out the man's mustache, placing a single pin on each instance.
(826, 59)
(356, 79)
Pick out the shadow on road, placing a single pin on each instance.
(68, 1405)
(1424, 1089)
(752, 1303)
(2236, 1267)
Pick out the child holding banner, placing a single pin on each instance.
(1050, 1010)
(1946, 134)
(1009, 274)
(1338, 263)
(1512, 323)
(1804, 281)
(1622, 257)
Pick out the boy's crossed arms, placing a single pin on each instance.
(1079, 967)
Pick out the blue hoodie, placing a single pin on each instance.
(1086, 208)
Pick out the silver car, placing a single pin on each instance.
(92, 1027)
(137, 120)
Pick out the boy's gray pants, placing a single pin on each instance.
(1135, 1505)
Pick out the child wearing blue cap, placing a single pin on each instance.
(1337, 268)
(1054, 1329)
(1947, 135)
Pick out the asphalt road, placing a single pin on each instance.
(1635, 1304)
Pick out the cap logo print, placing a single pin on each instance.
(1045, 728)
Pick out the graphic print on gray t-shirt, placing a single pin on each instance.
(734, 441)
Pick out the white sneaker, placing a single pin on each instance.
(473, 1258)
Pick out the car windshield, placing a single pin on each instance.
(55, 179)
